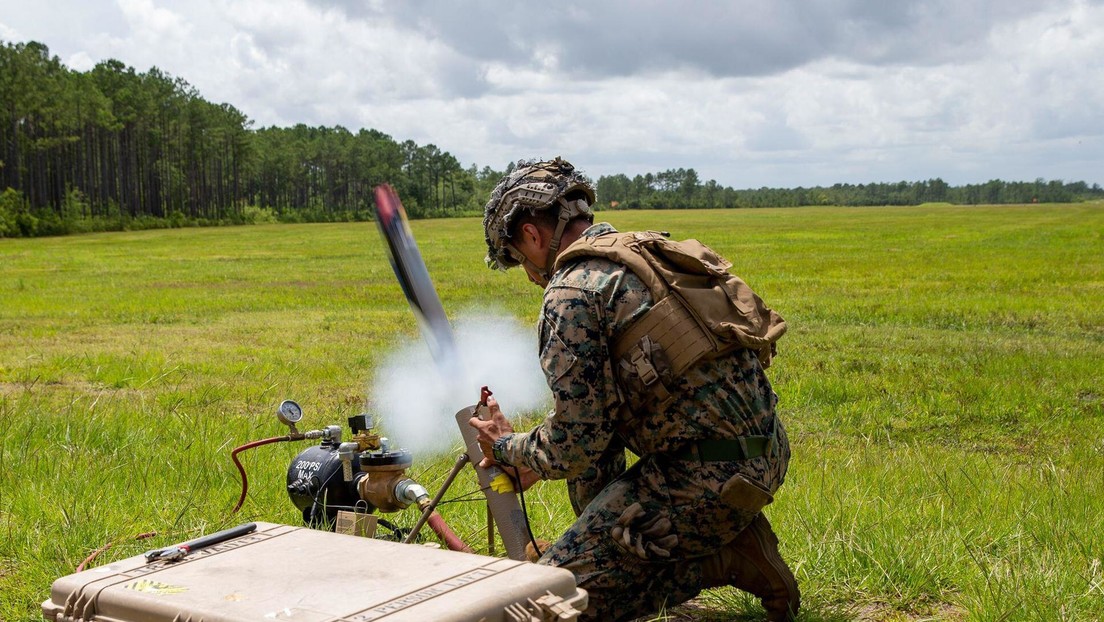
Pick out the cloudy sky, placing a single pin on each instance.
(750, 93)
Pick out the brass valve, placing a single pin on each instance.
(387, 487)
(366, 441)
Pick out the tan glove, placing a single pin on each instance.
(646, 535)
(533, 553)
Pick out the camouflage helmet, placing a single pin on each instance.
(532, 187)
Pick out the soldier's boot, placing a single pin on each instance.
(752, 563)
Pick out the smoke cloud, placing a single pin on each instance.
(417, 403)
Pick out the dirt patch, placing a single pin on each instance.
(882, 613)
(78, 386)
(13, 388)
(693, 611)
(7, 567)
(697, 611)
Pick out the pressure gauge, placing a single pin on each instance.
(289, 413)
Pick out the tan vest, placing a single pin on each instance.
(699, 309)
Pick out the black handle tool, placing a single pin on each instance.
(178, 551)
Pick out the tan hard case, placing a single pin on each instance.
(294, 574)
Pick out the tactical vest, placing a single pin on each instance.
(699, 310)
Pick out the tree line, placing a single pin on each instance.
(114, 148)
(682, 189)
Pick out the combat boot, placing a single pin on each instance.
(752, 563)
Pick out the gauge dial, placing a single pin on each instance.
(289, 413)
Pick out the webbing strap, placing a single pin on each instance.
(725, 450)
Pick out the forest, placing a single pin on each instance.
(113, 148)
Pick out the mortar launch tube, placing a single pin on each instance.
(503, 506)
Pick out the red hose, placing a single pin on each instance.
(452, 541)
(241, 469)
(241, 499)
(436, 522)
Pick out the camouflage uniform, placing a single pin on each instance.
(587, 305)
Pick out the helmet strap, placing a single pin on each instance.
(568, 211)
(566, 214)
(529, 265)
(542, 274)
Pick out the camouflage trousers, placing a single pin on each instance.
(625, 581)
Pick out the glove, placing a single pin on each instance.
(644, 534)
(533, 553)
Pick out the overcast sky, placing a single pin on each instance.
(763, 93)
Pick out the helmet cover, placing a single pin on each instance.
(532, 187)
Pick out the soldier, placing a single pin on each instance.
(631, 368)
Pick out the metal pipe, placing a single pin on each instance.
(461, 460)
(490, 531)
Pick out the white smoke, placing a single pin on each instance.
(417, 404)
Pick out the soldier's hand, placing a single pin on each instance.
(528, 476)
(491, 429)
(644, 534)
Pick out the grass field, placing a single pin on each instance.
(942, 384)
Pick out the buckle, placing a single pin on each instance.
(643, 366)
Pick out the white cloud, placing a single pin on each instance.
(81, 61)
(9, 34)
(151, 21)
(786, 94)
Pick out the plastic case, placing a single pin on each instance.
(282, 573)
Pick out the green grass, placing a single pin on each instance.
(941, 382)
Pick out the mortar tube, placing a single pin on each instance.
(503, 507)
